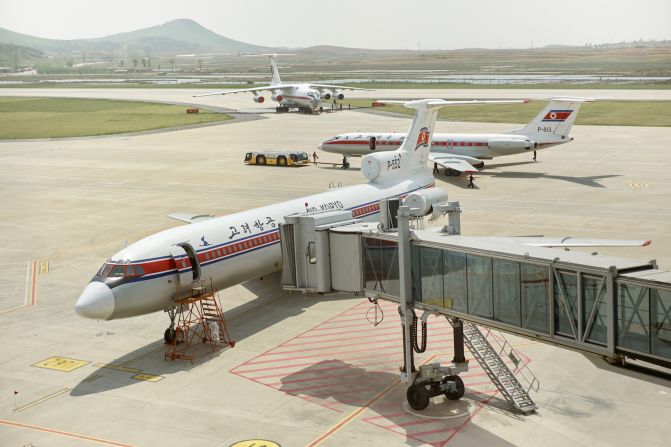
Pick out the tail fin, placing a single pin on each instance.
(273, 69)
(554, 122)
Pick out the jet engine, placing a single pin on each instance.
(326, 96)
(277, 97)
(339, 95)
(258, 98)
(382, 165)
(425, 200)
(511, 145)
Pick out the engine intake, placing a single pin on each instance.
(258, 98)
(425, 200)
(382, 165)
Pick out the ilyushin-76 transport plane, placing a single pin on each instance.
(144, 276)
(304, 97)
(464, 153)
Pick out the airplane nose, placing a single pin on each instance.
(320, 147)
(96, 302)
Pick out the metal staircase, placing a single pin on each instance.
(201, 327)
(487, 350)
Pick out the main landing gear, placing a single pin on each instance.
(281, 109)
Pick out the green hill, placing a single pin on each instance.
(176, 36)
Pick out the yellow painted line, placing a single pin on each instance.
(44, 266)
(61, 364)
(62, 433)
(43, 399)
(118, 367)
(147, 377)
(350, 417)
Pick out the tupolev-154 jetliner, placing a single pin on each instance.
(304, 97)
(144, 276)
(464, 153)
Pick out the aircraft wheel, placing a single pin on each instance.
(418, 397)
(260, 160)
(281, 161)
(169, 336)
(459, 392)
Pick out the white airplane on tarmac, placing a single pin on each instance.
(144, 277)
(304, 97)
(464, 153)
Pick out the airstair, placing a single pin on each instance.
(201, 327)
(488, 349)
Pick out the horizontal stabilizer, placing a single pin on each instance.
(190, 217)
(457, 164)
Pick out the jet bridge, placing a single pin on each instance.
(604, 305)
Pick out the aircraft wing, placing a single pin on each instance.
(575, 242)
(190, 217)
(244, 90)
(337, 87)
(447, 161)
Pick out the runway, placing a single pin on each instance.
(74, 202)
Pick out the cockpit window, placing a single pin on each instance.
(119, 271)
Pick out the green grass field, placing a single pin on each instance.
(598, 113)
(22, 118)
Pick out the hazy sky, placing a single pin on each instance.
(431, 24)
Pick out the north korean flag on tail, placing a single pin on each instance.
(557, 115)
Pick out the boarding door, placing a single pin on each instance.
(186, 260)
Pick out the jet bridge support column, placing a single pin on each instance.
(405, 309)
(432, 379)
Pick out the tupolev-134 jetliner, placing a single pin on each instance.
(464, 153)
(142, 278)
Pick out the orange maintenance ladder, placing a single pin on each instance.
(201, 327)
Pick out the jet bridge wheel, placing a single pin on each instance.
(459, 392)
(418, 397)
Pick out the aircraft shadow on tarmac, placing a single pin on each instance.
(348, 385)
(462, 181)
(242, 321)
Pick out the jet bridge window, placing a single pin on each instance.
(566, 304)
(507, 291)
(535, 295)
(480, 286)
(633, 319)
(660, 326)
(595, 312)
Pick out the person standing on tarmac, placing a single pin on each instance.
(314, 157)
(470, 181)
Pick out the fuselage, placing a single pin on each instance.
(481, 146)
(298, 96)
(144, 276)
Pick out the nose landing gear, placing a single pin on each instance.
(169, 334)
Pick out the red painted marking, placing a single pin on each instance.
(62, 433)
